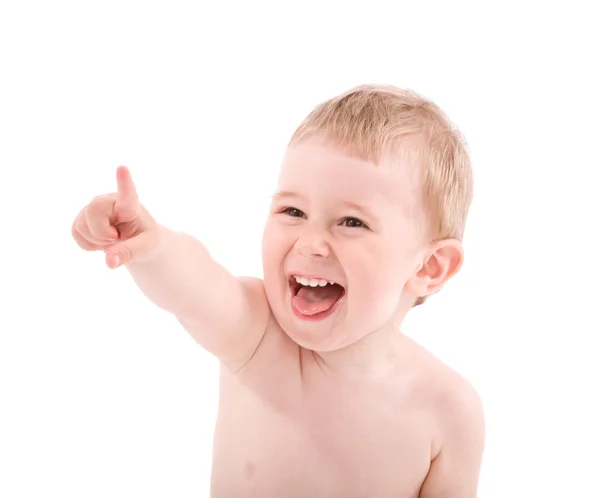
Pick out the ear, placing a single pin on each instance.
(441, 262)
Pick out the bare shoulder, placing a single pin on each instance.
(255, 291)
(445, 386)
(258, 306)
(457, 401)
(250, 327)
(460, 430)
(264, 341)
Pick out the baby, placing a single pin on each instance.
(321, 394)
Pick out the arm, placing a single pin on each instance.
(454, 472)
(226, 315)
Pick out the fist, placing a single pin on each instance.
(117, 224)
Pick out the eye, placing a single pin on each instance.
(293, 212)
(353, 223)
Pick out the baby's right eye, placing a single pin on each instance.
(296, 213)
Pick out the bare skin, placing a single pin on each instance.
(290, 426)
(342, 405)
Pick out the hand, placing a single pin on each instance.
(117, 224)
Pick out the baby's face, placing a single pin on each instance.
(346, 221)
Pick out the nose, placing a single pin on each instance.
(313, 243)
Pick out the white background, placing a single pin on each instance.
(102, 394)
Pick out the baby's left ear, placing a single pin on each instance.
(442, 262)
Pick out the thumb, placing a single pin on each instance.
(129, 250)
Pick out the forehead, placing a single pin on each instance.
(313, 168)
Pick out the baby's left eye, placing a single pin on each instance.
(353, 223)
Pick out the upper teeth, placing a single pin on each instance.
(312, 282)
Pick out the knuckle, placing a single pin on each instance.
(96, 201)
(92, 208)
(81, 223)
(101, 203)
(82, 242)
(94, 216)
(103, 198)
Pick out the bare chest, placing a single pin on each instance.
(277, 438)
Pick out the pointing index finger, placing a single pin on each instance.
(126, 191)
(127, 204)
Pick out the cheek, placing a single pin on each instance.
(274, 245)
(377, 272)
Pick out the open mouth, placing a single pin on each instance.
(314, 298)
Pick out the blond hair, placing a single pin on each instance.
(373, 122)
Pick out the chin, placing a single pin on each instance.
(315, 341)
(324, 334)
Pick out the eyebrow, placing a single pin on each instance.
(285, 194)
(282, 194)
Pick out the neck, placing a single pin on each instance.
(375, 355)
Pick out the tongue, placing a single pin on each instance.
(313, 300)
